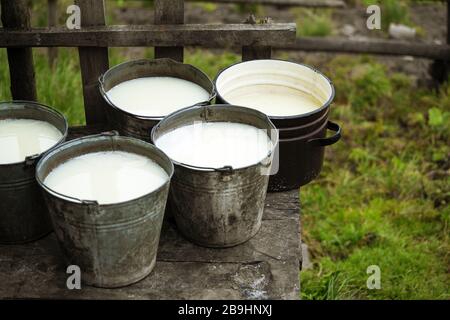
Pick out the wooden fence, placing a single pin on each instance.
(287, 3)
(168, 35)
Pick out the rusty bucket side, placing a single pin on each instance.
(23, 215)
(218, 207)
(114, 244)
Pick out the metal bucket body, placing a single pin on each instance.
(136, 126)
(302, 137)
(115, 244)
(23, 215)
(218, 207)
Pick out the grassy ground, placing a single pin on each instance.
(383, 196)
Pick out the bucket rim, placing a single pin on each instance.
(224, 107)
(327, 104)
(21, 104)
(101, 80)
(105, 135)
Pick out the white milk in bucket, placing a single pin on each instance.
(107, 177)
(274, 100)
(216, 144)
(20, 138)
(156, 96)
(274, 87)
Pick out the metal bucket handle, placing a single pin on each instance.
(323, 142)
(90, 203)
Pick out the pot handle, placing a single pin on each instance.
(322, 142)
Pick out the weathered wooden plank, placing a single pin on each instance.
(287, 3)
(169, 12)
(255, 52)
(208, 35)
(280, 36)
(383, 47)
(16, 14)
(267, 266)
(93, 62)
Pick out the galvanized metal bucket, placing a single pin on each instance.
(302, 136)
(132, 125)
(218, 207)
(23, 215)
(113, 244)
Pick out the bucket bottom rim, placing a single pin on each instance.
(213, 246)
(141, 276)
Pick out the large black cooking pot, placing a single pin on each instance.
(262, 84)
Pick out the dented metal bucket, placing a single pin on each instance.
(137, 126)
(23, 215)
(115, 244)
(218, 207)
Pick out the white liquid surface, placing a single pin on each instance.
(275, 87)
(274, 100)
(107, 177)
(216, 144)
(156, 96)
(20, 138)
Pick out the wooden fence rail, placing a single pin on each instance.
(168, 35)
(286, 3)
(381, 47)
(152, 35)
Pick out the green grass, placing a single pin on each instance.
(207, 6)
(59, 88)
(313, 23)
(383, 196)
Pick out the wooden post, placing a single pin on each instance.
(93, 62)
(440, 69)
(16, 15)
(169, 12)
(448, 21)
(52, 19)
(256, 52)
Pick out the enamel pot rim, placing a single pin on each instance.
(326, 105)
